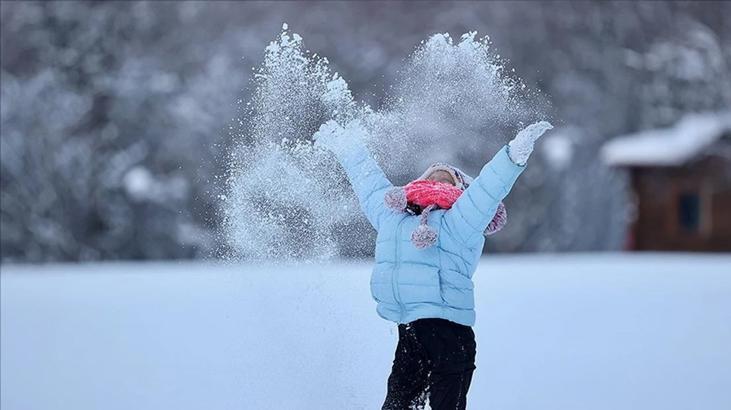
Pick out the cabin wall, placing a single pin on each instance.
(683, 208)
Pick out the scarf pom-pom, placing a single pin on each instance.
(395, 198)
(424, 236)
(498, 221)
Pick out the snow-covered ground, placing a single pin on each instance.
(588, 332)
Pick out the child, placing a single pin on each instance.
(430, 238)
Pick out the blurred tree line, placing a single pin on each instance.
(116, 116)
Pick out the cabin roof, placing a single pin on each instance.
(672, 146)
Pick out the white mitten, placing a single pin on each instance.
(340, 140)
(520, 148)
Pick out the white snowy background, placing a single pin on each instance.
(569, 332)
(115, 115)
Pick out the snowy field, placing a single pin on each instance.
(588, 332)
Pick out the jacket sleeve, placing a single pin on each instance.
(467, 219)
(368, 180)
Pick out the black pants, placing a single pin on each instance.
(434, 358)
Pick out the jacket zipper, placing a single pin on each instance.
(394, 275)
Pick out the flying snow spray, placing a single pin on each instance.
(287, 200)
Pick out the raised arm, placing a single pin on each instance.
(475, 208)
(368, 180)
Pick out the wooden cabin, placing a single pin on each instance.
(681, 183)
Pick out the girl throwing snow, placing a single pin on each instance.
(430, 238)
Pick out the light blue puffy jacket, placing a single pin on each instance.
(436, 282)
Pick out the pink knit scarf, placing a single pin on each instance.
(428, 195)
(424, 192)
